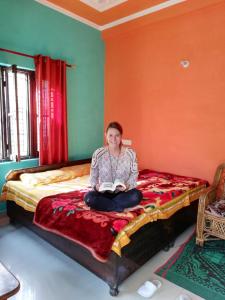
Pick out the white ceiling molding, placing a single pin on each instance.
(102, 5)
(134, 16)
(142, 13)
(69, 14)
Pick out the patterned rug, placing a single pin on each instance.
(200, 270)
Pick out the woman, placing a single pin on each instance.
(108, 164)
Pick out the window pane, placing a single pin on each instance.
(17, 125)
(4, 143)
(12, 113)
(23, 100)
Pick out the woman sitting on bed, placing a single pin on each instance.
(109, 164)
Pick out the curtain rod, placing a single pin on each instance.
(27, 55)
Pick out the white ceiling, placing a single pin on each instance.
(102, 5)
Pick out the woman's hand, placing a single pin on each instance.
(122, 188)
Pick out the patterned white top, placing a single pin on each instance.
(106, 167)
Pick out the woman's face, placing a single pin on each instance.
(113, 137)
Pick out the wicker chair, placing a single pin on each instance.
(209, 226)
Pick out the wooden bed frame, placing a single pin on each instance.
(145, 243)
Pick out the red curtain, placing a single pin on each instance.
(51, 94)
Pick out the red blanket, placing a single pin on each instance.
(67, 215)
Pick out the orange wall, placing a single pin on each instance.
(174, 116)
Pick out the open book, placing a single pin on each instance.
(110, 186)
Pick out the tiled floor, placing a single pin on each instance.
(47, 274)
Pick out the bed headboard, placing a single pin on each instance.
(15, 174)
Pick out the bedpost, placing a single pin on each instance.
(113, 286)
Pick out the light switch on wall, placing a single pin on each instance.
(126, 142)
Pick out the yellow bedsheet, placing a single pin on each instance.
(28, 197)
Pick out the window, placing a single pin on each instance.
(18, 114)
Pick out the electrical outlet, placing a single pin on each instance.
(126, 142)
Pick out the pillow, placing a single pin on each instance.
(78, 170)
(35, 179)
(63, 174)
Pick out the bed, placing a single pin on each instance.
(135, 236)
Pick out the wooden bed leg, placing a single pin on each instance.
(114, 284)
(113, 290)
(170, 245)
(12, 220)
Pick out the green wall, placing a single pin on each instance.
(29, 27)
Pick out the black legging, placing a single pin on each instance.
(113, 201)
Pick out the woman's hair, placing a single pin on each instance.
(115, 125)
